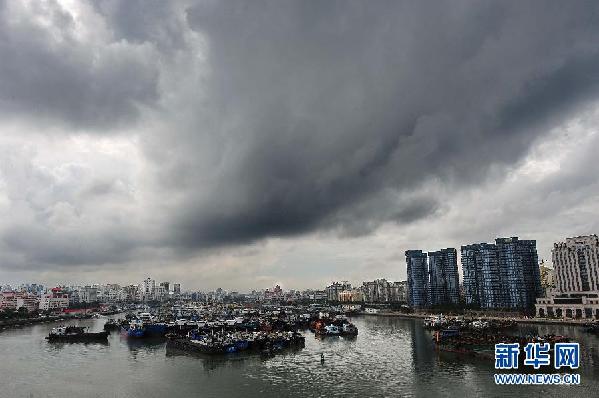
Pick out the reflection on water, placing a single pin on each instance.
(389, 357)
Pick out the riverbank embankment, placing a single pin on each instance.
(540, 321)
(7, 323)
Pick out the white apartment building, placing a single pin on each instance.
(576, 266)
(54, 300)
(29, 301)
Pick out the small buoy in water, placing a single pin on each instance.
(322, 358)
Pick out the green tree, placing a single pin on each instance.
(22, 312)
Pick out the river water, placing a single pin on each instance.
(390, 357)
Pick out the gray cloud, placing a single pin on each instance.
(275, 118)
(337, 103)
(50, 73)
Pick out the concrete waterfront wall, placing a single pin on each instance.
(540, 321)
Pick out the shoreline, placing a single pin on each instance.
(538, 321)
(15, 323)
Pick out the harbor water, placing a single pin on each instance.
(390, 357)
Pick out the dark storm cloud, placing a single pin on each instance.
(338, 101)
(278, 118)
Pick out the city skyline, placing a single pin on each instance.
(124, 282)
(152, 140)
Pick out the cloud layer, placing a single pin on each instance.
(174, 133)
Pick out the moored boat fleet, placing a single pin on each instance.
(438, 322)
(226, 342)
(478, 337)
(225, 329)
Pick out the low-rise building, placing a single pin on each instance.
(568, 305)
(384, 291)
(56, 299)
(8, 300)
(16, 300)
(28, 301)
(88, 294)
(335, 288)
(352, 296)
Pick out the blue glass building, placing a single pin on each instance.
(482, 279)
(501, 275)
(443, 277)
(418, 285)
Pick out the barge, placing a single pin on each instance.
(75, 334)
(228, 343)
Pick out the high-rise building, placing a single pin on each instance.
(501, 275)
(576, 264)
(576, 267)
(482, 279)
(519, 265)
(443, 277)
(418, 283)
(148, 288)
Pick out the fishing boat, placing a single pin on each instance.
(151, 326)
(349, 329)
(111, 324)
(75, 334)
(335, 327)
(435, 322)
(135, 329)
(329, 330)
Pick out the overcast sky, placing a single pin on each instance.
(240, 144)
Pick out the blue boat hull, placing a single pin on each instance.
(134, 333)
(156, 329)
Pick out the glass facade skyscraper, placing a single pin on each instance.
(432, 279)
(418, 284)
(501, 275)
(443, 277)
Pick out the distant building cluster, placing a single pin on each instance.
(35, 297)
(275, 294)
(377, 291)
